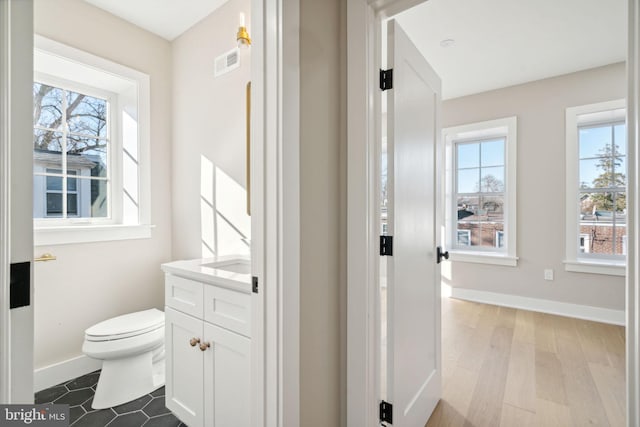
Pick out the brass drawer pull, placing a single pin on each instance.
(204, 346)
(194, 341)
(46, 257)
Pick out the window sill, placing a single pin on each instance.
(596, 267)
(484, 258)
(47, 236)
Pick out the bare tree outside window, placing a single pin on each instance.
(71, 138)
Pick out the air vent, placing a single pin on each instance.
(227, 62)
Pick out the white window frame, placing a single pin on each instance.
(500, 128)
(127, 90)
(602, 112)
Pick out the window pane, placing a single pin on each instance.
(621, 206)
(482, 234)
(493, 153)
(594, 173)
(493, 208)
(620, 171)
(86, 115)
(99, 202)
(464, 237)
(72, 204)
(72, 183)
(87, 154)
(54, 204)
(489, 231)
(468, 155)
(620, 139)
(492, 180)
(47, 106)
(593, 141)
(468, 180)
(54, 183)
(47, 141)
(597, 206)
(467, 208)
(621, 240)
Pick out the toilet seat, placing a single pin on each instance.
(126, 326)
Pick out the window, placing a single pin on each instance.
(596, 188)
(464, 238)
(91, 147)
(70, 133)
(480, 191)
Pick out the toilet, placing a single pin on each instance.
(131, 348)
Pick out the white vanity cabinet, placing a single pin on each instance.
(208, 353)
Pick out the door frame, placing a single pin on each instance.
(275, 159)
(275, 123)
(363, 40)
(5, 318)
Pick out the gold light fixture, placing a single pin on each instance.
(244, 41)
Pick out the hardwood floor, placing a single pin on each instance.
(504, 367)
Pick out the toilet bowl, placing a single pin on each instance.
(131, 348)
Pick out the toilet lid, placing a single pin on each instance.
(127, 325)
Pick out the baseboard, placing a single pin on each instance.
(586, 312)
(57, 373)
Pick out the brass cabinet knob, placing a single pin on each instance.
(204, 346)
(193, 341)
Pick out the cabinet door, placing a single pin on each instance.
(227, 373)
(184, 369)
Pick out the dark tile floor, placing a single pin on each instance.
(147, 411)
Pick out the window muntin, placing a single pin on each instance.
(479, 174)
(71, 133)
(602, 180)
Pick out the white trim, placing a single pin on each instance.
(633, 215)
(5, 165)
(572, 208)
(586, 312)
(362, 208)
(90, 233)
(594, 267)
(506, 128)
(60, 372)
(275, 207)
(494, 258)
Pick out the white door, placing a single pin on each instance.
(16, 228)
(413, 322)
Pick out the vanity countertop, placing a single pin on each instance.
(229, 271)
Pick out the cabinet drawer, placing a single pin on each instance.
(184, 295)
(229, 309)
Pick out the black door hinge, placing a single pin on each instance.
(386, 245)
(386, 79)
(254, 284)
(386, 412)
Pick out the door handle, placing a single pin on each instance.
(440, 255)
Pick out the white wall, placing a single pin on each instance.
(209, 181)
(540, 108)
(92, 282)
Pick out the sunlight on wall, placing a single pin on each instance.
(131, 202)
(207, 222)
(233, 225)
(225, 227)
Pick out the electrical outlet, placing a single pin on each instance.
(548, 274)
